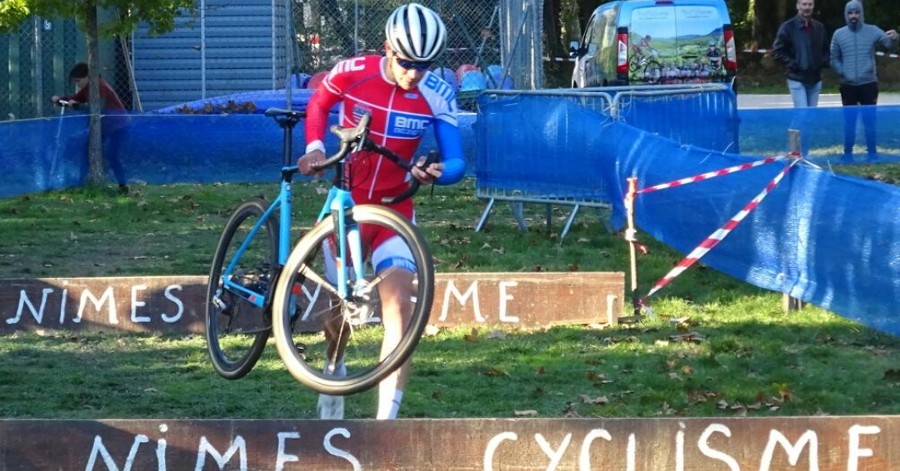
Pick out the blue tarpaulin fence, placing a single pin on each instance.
(50, 153)
(823, 238)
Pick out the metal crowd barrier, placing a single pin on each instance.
(554, 128)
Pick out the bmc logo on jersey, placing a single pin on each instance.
(349, 65)
(407, 125)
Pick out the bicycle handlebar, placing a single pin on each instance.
(348, 136)
(356, 139)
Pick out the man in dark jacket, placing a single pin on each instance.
(853, 58)
(800, 46)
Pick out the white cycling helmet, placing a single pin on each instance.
(416, 32)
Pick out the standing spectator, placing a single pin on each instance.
(112, 125)
(853, 58)
(800, 46)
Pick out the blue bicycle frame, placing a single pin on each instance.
(284, 203)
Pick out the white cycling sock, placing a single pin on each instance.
(330, 368)
(389, 410)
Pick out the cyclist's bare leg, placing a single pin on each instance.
(395, 292)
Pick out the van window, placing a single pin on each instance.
(608, 31)
(676, 44)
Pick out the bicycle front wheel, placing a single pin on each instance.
(376, 328)
(238, 324)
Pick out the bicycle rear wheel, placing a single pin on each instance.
(304, 303)
(236, 327)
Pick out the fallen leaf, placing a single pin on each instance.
(691, 337)
(570, 411)
(878, 351)
(496, 334)
(701, 395)
(666, 409)
(494, 372)
(598, 378)
(602, 400)
(431, 330)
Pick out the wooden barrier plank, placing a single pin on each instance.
(175, 303)
(864, 443)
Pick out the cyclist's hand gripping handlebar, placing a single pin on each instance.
(433, 157)
(352, 140)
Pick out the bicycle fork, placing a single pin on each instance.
(353, 289)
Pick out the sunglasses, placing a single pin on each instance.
(407, 64)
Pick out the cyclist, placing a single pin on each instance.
(403, 98)
(714, 55)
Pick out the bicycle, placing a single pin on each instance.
(352, 304)
(304, 299)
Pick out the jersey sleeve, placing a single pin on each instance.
(449, 143)
(321, 102)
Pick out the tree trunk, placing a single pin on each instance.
(95, 138)
(552, 31)
(753, 20)
(766, 20)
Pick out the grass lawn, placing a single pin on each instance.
(715, 347)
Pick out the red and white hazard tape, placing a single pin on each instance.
(713, 174)
(877, 53)
(720, 234)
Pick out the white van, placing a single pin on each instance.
(649, 42)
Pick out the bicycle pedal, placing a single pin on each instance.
(223, 307)
(301, 349)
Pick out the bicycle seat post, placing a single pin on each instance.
(288, 123)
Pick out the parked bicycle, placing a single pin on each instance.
(324, 280)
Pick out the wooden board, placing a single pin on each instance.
(863, 443)
(175, 304)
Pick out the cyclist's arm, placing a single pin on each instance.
(449, 143)
(317, 111)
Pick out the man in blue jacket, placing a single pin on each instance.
(853, 58)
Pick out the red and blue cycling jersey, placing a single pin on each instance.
(399, 121)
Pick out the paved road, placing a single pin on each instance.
(784, 101)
